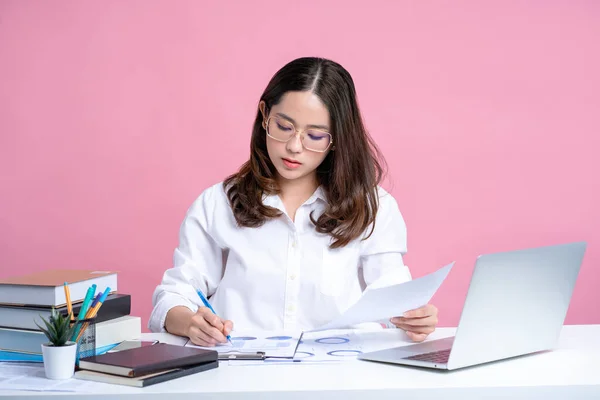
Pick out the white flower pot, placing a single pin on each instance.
(59, 361)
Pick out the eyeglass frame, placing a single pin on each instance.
(297, 133)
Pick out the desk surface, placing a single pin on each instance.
(570, 371)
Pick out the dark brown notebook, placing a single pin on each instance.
(148, 359)
(145, 380)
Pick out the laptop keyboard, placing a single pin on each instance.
(440, 356)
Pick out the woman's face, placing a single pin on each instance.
(301, 112)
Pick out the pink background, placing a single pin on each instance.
(115, 115)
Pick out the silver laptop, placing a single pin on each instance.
(516, 304)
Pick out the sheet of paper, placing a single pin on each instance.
(273, 344)
(381, 302)
(31, 377)
(336, 346)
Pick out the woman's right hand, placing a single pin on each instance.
(207, 329)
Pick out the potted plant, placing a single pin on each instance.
(60, 352)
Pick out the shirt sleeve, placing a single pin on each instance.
(382, 253)
(197, 264)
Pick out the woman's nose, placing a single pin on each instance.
(295, 144)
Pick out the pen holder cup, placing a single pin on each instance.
(85, 333)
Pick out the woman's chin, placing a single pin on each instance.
(289, 174)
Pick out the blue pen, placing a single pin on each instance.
(84, 308)
(207, 304)
(96, 300)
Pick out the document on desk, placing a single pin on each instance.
(380, 302)
(280, 344)
(337, 346)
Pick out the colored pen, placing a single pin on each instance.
(69, 304)
(100, 302)
(93, 292)
(88, 314)
(93, 310)
(86, 302)
(207, 304)
(84, 308)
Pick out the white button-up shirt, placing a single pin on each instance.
(282, 275)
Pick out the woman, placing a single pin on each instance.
(290, 240)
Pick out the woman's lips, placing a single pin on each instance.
(291, 163)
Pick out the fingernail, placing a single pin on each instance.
(406, 314)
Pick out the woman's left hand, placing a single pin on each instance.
(418, 323)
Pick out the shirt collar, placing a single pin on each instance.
(319, 194)
(274, 200)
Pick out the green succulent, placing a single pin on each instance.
(58, 328)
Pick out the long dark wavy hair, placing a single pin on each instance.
(349, 174)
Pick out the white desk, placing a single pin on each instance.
(570, 372)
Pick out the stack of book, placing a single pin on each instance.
(26, 298)
(147, 365)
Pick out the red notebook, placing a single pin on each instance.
(148, 359)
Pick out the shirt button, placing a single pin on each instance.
(293, 276)
(291, 308)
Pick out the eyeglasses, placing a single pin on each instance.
(283, 130)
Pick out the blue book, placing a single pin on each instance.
(37, 358)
